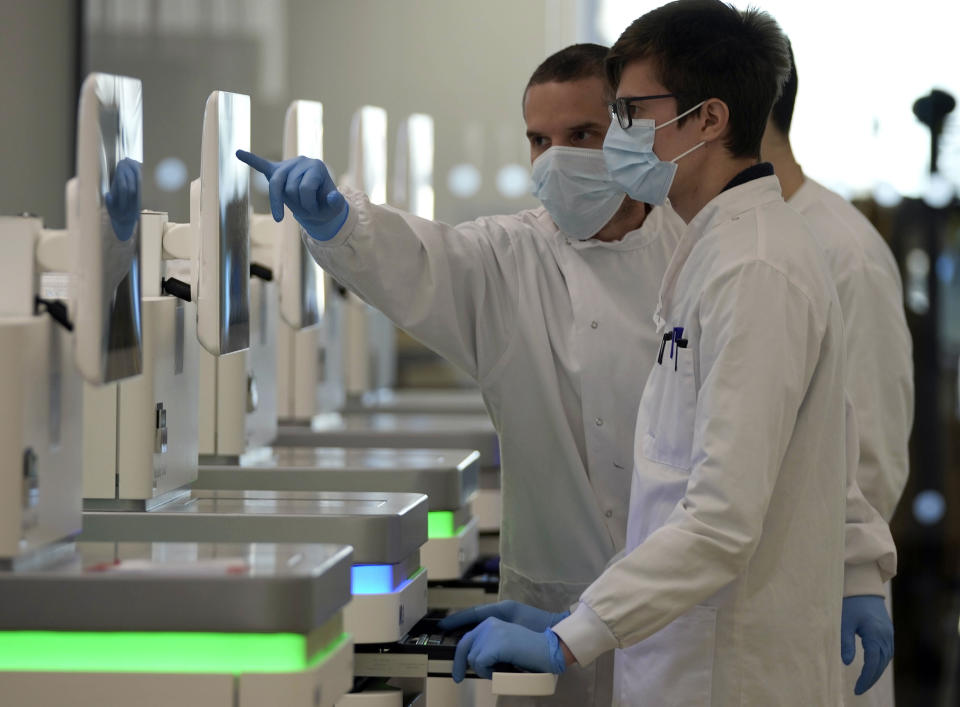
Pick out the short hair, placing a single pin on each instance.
(782, 114)
(578, 61)
(703, 49)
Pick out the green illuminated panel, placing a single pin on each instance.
(160, 652)
(440, 524)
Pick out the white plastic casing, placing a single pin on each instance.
(39, 444)
(301, 279)
(19, 278)
(369, 341)
(157, 418)
(309, 349)
(140, 436)
(298, 371)
(109, 128)
(238, 396)
(449, 558)
(260, 386)
(383, 697)
(100, 440)
(40, 400)
(412, 188)
(384, 618)
(224, 225)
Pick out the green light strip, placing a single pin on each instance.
(440, 524)
(160, 652)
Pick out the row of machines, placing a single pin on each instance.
(184, 521)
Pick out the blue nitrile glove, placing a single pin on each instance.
(866, 616)
(123, 199)
(512, 612)
(305, 186)
(495, 641)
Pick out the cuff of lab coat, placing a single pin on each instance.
(355, 203)
(862, 579)
(585, 635)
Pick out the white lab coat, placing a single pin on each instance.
(558, 335)
(730, 593)
(879, 365)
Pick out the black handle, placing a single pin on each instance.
(177, 288)
(57, 311)
(261, 271)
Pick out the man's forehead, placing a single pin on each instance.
(573, 102)
(640, 78)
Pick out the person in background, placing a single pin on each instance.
(879, 367)
(746, 526)
(549, 310)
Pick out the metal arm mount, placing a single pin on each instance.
(163, 241)
(27, 250)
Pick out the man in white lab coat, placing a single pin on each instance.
(554, 324)
(730, 590)
(879, 368)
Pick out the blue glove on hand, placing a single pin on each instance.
(512, 612)
(866, 616)
(495, 641)
(123, 199)
(305, 186)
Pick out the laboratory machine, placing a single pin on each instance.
(158, 624)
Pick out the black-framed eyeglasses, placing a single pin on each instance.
(623, 108)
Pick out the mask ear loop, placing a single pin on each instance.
(684, 154)
(673, 120)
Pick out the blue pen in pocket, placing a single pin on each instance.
(679, 342)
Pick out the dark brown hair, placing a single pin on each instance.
(708, 49)
(578, 61)
(782, 113)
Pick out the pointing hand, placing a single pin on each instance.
(305, 186)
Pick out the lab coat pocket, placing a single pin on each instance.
(673, 407)
(671, 668)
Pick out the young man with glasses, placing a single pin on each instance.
(740, 545)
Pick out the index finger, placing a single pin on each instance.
(460, 618)
(264, 166)
(459, 671)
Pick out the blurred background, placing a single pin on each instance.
(862, 68)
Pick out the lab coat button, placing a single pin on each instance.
(609, 514)
(594, 324)
(599, 421)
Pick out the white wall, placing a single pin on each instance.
(38, 114)
(464, 63)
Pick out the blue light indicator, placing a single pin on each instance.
(371, 579)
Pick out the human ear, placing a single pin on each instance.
(714, 118)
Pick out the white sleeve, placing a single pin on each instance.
(453, 288)
(712, 533)
(880, 390)
(879, 382)
(870, 556)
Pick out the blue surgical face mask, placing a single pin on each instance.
(575, 187)
(633, 164)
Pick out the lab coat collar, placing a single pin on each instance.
(632, 240)
(637, 238)
(723, 207)
(806, 195)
